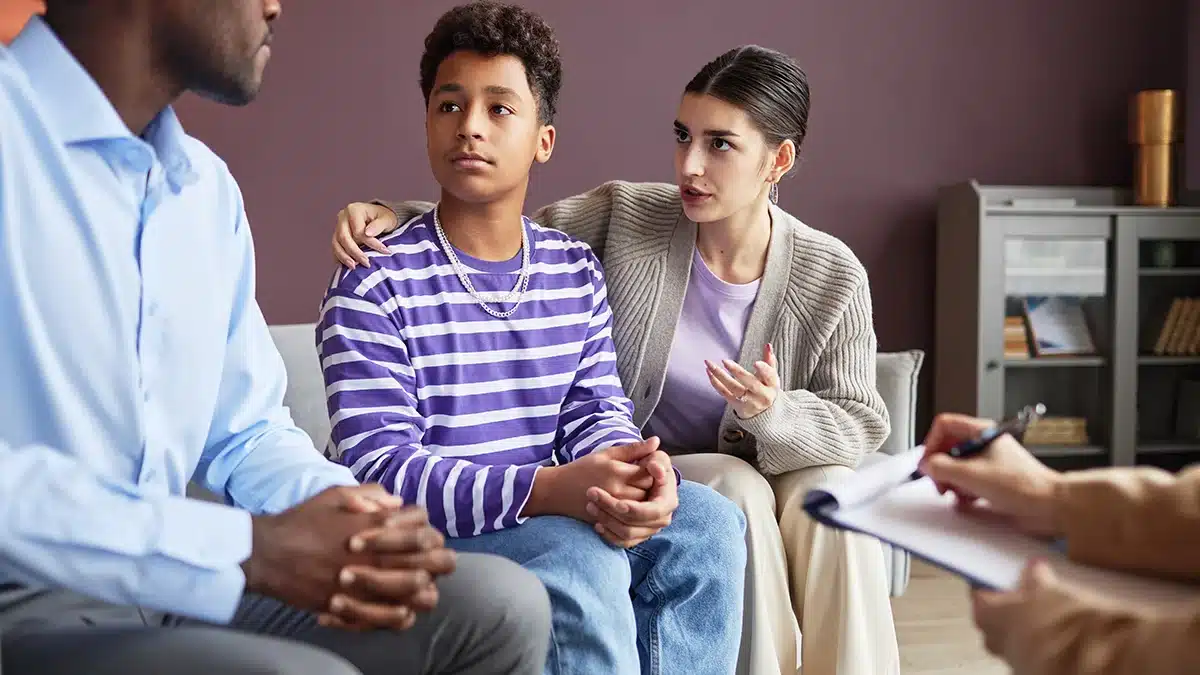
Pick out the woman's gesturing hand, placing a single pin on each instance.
(748, 393)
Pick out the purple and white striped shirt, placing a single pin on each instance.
(452, 408)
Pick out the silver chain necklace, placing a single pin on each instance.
(517, 294)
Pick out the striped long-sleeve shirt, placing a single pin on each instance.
(452, 408)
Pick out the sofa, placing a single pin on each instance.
(896, 374)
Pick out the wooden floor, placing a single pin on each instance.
(933, 625)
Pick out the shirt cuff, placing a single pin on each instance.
(306, 483)
(204, 545)
(524, 488)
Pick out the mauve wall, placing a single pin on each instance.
(906, 96)
(1191, 108)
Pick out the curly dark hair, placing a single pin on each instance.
(493, 28)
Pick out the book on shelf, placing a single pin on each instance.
(1178, 344)
(1061, 431)
(1179, 329)
(1170, 321)
(1016, 341)
(1058, 326)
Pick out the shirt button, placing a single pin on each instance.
(733, 435)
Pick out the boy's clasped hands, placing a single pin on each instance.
(626, 492)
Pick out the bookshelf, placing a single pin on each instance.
(1065, 295)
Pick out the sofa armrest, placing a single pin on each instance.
(896, 378)
(897, 375)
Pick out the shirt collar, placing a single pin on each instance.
(80, 112)
(166, 135)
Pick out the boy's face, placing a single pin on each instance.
(482, 128)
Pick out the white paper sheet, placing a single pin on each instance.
(911, 515)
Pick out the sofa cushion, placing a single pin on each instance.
(896, 377)
(305, 396)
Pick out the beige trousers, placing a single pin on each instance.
(803, 579)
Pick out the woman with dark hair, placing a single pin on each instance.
(745, 340)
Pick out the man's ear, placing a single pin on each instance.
(545, 144)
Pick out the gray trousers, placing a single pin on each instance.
(492, 617)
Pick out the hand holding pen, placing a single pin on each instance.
(978, 460)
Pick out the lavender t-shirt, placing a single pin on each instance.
(714, 318)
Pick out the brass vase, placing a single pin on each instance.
(1154, 133)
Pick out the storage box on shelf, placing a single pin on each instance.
(1115, 352)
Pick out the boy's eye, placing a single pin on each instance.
(682, 136)
(721, 144)
(500, 110)
(448, 106)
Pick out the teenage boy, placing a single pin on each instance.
(472, 371)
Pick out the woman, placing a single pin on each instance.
(1139, 520)
(709, 274)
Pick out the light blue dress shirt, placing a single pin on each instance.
(133, 355)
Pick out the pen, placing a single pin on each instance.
(1014, 426)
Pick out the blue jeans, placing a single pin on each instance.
(669, 606)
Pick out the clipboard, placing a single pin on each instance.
(892, 502)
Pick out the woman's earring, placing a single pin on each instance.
(774, 193)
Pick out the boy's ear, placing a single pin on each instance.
(545, 144)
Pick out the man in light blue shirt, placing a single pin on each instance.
(134, 358)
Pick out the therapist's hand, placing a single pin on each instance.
(1014, 485)
(1015, 624)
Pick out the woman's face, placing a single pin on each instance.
(722, 161)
